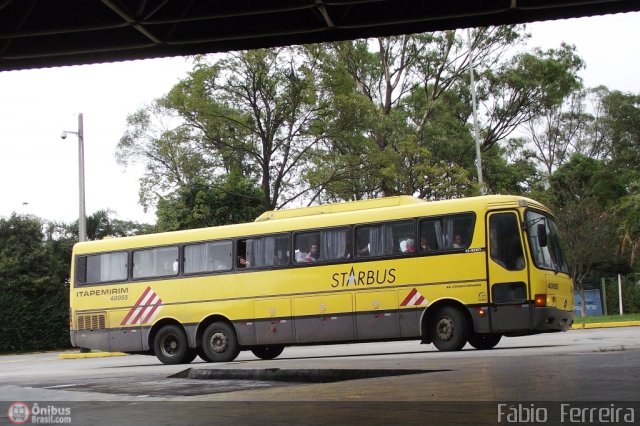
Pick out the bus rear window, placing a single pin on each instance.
(101, 268)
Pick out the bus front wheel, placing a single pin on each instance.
(219, 342)
(170, 346)
(484, 341)
(267, 352)
(448, 328)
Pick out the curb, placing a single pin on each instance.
(79, 355)
(605, 325)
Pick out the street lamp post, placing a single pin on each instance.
(82, 219)
(476, 133)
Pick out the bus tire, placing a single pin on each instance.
(219, 342)
(170, 345)
(448, 328)
(202, 355)
(189, 356)
(267, 352)
(484, 341)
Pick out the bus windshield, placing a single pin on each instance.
(544, 242)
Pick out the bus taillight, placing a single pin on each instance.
(541, 300)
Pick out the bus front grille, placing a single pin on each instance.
(91, 322)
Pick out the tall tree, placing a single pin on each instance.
(235, 200)
(621, 122)
(34, 289)
(414, 134)
(249, 112)
(584, 193)
(527, 86)
(100, 224)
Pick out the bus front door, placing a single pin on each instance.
(508, 277)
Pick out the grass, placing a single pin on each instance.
(607, 318)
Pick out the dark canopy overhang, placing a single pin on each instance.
(44, 33)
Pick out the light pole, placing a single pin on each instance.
(476, 133)
(82, 219)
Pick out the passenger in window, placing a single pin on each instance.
(457, 242)
(313, 255)
(300, 256)
(364, 251)
(518, 265)
(242, 262)
(408, 246)
(424, 244)
(167, 267)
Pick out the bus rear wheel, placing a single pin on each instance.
(484, 341)
(267, 352)
(448, 328)
(170, 346)
(202, 355)
(219, 343)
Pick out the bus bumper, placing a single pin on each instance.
(520, 319)
(91, 339)
(552, 319)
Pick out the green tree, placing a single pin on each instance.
(34, 292)
(100, 224)
(408, 90)
(630, 295)
(172, 155)
(528, 86)
(621, 123)
(507, 170)
(412, 99)
(584, 193)
(248, 113)
(235, 200)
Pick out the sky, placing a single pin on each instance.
(39, 170)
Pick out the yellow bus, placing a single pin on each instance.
(448, 272)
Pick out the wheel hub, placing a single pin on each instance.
(219, 342)
(445, 329)
(169, 345)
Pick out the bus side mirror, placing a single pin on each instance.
(542, 235)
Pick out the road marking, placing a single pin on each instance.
(60, 386)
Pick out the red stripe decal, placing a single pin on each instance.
(409, 297)
(155, 307)
(420, 300)
(143, 308)
(133, 309)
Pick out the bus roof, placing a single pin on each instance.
(316, 217)
(373, 203)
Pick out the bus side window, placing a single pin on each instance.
(241, 261)
(448, 233)
(106, 267)
(263, 252)
(307, 249)
(157, 262)
(214, 256)
(335, 244)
